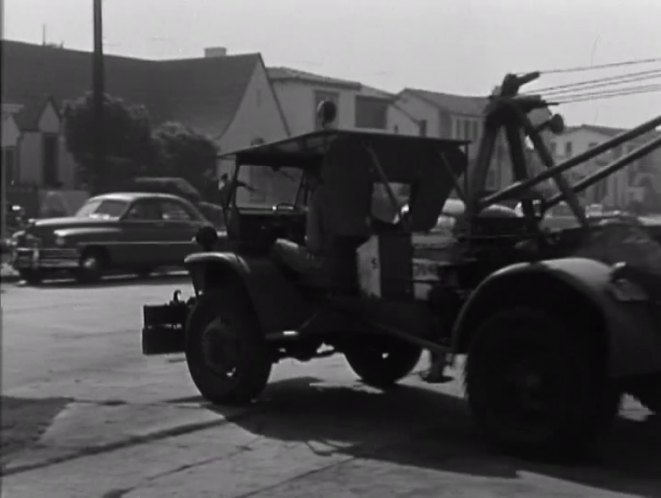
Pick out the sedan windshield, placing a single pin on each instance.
(102, 208)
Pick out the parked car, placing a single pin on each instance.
(182, 188)
(130, 231)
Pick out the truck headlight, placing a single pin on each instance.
(60, 241)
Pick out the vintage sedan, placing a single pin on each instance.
(133, 232)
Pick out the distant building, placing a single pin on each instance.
(638, 182)
(359, 107)
(228, 98)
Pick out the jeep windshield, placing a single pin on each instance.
(102, 208)
(262, 187)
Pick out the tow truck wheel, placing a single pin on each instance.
(535, 386)
(382, 365)
(227, 355)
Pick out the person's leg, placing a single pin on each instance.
(297, 257)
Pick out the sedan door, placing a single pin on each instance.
(180, 223)
(142, 236)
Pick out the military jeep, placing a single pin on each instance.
(555, 324)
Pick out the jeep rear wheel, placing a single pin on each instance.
(383, 364)
(535, 386)
(227, 356)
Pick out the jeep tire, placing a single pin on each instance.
(382, 363)
(227, 355)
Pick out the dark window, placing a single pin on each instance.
(552, 149)
(371, 113)
(49, 158)
(9, 170)
(568, 149)
(319, 97)
(144, 210)
(423, 127)
(467, 130)
(174, 211)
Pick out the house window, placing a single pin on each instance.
(50, 161)
(9, 170)
(423, 127)
(467, 130)
(319, 97)
(371, 113)
(552, 148)
(568, 149)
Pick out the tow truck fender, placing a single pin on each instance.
(629, 323)
(277, 303)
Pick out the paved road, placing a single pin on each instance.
(84, 414)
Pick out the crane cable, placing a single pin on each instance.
(634, 90)
(598, 66)
(598, 82)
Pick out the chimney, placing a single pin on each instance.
(215, 52)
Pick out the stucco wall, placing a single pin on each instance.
(30, 157)
(400, 122)
(421, 110)
(10, 132)
(258, 116)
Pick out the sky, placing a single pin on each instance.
(453, 46)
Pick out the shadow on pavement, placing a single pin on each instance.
(425, 428)
(24, 420)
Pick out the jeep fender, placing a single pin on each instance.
(277, 303)
(628, 326)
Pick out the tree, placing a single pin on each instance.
(127, 139)
(181, 152)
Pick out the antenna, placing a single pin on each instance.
(43, 34)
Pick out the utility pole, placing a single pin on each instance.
(98, 169)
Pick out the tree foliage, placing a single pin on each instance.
(131, 147)
(126, 137)
(182, 152)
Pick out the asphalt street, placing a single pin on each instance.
(84, 414)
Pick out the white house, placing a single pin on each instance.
(228, 98)
(619, 190)
(359, 107)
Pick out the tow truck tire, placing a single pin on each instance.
(382, 365)
(227, 355)
(535, 386)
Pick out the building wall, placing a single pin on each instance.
(612, 191)
(299, 101)
(422, 111)
(30, 157)
(401, 123)
(257, 118)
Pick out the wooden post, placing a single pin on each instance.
(98, 167)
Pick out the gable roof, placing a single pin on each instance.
(454, 104)
(287, 73)
(28, 116)
(202, 93)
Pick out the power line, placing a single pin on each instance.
(581, 97)
(605, 81)
(600, 66)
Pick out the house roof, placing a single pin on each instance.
(27, 117)
(202, 93)
(455, 104)
(287, 73)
